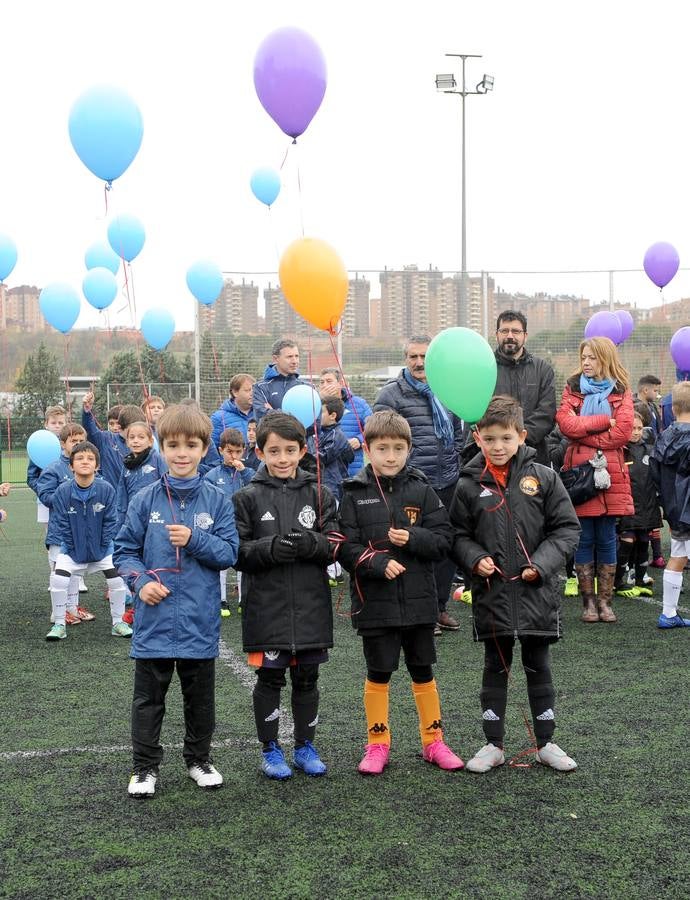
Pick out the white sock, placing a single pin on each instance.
(223, 585)
(673, 582)
(73, 594)
(58, 597)
(116, 595)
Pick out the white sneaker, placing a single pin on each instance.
(205, 775)
(552, 755)
(143, 784)
(485, 759)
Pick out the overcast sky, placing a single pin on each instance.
(577, 160)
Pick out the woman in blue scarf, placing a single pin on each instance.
(596, 413)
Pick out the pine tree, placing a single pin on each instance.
(39, 383)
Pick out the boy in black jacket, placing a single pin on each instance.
(395, 528)
(514, 525)
(287, 621)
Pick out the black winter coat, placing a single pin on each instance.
(365, 517)
(647, 514)
(670, 465)
(285, 606)
(530, 381)
(440, 464)
(538, 509)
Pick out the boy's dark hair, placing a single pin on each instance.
(648, 379)
(504, 411)
(334, 405)
(387, 424)
(54, 411)
(238, 380)
(511, 315)
(85, 447)
(231, 437)
(114, 413)
(129, 414)
(152, 398)
(187, 420)
(281, 344)
(284, 425)
(641, 410)
(69, 429)
(680, 398)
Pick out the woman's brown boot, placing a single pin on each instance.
(585, 579)
(606, 574)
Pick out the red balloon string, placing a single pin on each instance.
(66, 371)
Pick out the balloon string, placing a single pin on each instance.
(300, 199)
(68, 402)
(217, 374)
(9, 432)
(310, 374)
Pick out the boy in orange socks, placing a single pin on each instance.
(395, 528)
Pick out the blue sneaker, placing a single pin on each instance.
(274, 765)
(308, 760)
(672, 622)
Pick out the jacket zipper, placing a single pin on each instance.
(290, 589)
(512, 566)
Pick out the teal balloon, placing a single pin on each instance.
(265, 185)
(60, 305)
(158, 327)
(43, 448)
(126, 236)
(103, 256)
(304, 403)
(99, 287)
(461, 371)
(106, 128)
(205, 281)
(8, 256)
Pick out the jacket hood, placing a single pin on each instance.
(673, 443)
(475, 467)
(271, 372)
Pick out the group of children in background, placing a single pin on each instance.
(169, 519)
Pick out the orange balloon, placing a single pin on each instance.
(314, 281)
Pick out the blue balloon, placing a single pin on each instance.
(265, 185)
(106, 128)
(8, 256)
(60, 305)
(126, 236)
(304, 403)
(43, 448)
(157, 326)
(102, 255)
(205, 281)
(99, 287)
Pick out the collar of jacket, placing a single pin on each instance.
(271, 372)
(134, 460)
(476, 467)
(366, 477)
(300, 479)
(522, 360)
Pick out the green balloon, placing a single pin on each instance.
(461, 371)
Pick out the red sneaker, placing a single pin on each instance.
(128, 616)
(375, 759)
(442, 756)
(71, 619)
(84, 614)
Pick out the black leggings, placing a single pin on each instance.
(305, 701)
(418, 674)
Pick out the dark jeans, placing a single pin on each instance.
(444, 569)
(152, 679)
(598, 533)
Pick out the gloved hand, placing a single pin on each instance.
(283, 549)
(305, 542)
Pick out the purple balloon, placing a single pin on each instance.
(290, 78)
(680, 348)
(627, 323)
(604, 324)
(661, 263)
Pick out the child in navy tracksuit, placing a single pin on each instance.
(178, 534)
(84, 519)
(55, 420)
(111, 443)
(142, 466)
(250, 459)
(230, 477)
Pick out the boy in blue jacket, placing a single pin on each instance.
(111, 443)
(54, 420)
(84, 518)
(178, 534)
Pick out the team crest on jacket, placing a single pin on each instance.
(412, 513)
(98, 507)
(203, 520)
(529, 485)
(307, 517)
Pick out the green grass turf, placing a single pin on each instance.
(617, 827)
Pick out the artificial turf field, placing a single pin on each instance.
(617, 827)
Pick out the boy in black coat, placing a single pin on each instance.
(515, 525)
(395, 528)
(284, 523)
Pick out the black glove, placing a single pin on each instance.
(283, 549)
(305, 542)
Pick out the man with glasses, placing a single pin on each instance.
(526, 378)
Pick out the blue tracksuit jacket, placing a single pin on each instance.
(229, 416)
(351, 427)
(228, 479)
(112, 448)
(85, 528)
(51, 478)
(271, 389)
(133, 480)
(335, 455)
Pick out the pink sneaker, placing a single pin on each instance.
(658, 563)
(375, 759)
(442, 756)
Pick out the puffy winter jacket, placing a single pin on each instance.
(335, 454)
(271, 391)
(86, 528)
(228, 479)
(670, 465)
(530, 381)
(132, 480)
(440, 464)
(285, 606)
(357, 411)
(186, 624)
(647, 514)
(51, 478)
(408, 502)
(533, 509)
(112, 448)
(587, 434)
(229, 416)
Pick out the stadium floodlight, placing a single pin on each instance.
(446, 82)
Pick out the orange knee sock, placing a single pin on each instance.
(429, 711)
(376, 708)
